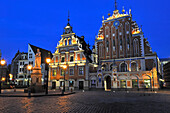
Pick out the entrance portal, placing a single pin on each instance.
(53, 85)
(80, 84)
(108, 83)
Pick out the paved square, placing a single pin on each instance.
(90, 102)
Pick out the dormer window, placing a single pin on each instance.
(63, 59)
(65, 42)
(70, 42)
(71, 59)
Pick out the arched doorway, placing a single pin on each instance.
(107, 83)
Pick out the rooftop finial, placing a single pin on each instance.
(123, 10)
(68, 17)
(115, 5)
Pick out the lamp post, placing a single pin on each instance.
(29, 67)
(10, 78)
(48, 60)
(153, 76)
(2, 63)
(64, 67)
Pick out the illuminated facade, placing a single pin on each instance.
(121, 58)
(124, 56)
(71, 51)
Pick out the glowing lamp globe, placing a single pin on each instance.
(29, 67)
(3, 62)
(48, 60)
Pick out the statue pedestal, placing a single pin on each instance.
(36, 84)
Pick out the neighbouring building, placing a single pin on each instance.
(3, 69)
(22, 75)
(72, 51)
(22, 59)
(163, 62)
(32, 50)
(125, 58)
(166, 73)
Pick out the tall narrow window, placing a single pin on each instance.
(71, 59)
(70, 42)
(107, 46)
(54, 73)
(120, 44)
(63, 58)
(71, 71)
(62, 72)
(65, 42)
(128, 42)
(81, 72)
(101, 50)
(136, 46)
(113, 45)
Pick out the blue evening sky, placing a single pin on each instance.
(41, 22)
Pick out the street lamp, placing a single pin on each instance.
(29, 67)
(64, 67)
(48, 60)
(153, 76)
(2, 63)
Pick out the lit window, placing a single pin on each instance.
(71, 71)
(62, 72)
(71, 83)
(81, 72)
(54, 73)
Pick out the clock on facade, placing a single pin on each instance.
(116, 24)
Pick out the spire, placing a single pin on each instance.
(123, 10)
(115, 5)
(68, 18)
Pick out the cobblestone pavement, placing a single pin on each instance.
(90, 102)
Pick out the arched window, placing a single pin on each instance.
(69, 41)
(133, 66)
(123, 67)
(65, 42)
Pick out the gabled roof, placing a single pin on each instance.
(44, 53)
(85, 47)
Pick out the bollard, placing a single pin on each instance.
(14, 89)
(29, 93)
